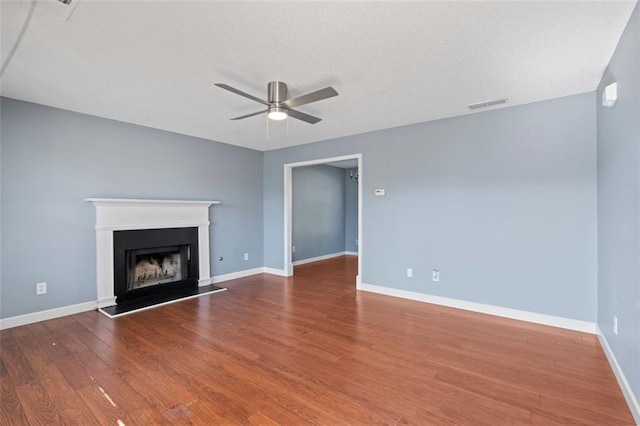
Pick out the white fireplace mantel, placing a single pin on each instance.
(118, 214)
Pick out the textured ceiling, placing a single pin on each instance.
(394, 63)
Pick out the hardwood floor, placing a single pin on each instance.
(309, 349)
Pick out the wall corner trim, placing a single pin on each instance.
(632, 401)
(534, 317)
(46, 315)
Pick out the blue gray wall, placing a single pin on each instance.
(350, 211)
(318, 208)
(619, 205)
(502, 202)
(51, 160)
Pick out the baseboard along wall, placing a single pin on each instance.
(25, 319)
(554, 321)
(632, 401)
(63, 311)
(323, 257)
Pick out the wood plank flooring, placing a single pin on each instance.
(304, 350)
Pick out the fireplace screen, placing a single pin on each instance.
(148, 267)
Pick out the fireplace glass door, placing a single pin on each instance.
(154, 266)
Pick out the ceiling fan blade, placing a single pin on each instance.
(241, 93)
(318, 95)
(250, 115)
(302, 116)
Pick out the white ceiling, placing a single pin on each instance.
(394, 63)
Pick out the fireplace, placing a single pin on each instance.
(115, 216)
(148, 261)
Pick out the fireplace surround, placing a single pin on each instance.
(115, 215)
(151, 260)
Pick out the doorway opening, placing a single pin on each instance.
(352, 164)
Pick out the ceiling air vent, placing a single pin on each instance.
(485, 104)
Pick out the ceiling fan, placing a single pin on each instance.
(278, 106)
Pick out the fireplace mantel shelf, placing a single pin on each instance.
(147, 201)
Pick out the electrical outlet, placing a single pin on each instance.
(615, 325)
(435, 276)
(410, 272)
(357, 242)
(293, 249)
(246, 256)
(41, 288)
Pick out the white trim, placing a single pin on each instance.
(554, 321)
(351, 253)
(632, 401)
(275, 271)
(46, 315)
(146, 308)
(288, 205)
(245, 273)
(236, 275)
(318, 258)
(109, 201)
(288, 220)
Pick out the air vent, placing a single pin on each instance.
(485, 104)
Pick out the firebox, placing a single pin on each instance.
(149, 261)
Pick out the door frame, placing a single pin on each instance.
(288, 208)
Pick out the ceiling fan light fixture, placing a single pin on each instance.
(277, 113)
(279, 106)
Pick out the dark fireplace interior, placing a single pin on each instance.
(148, 262)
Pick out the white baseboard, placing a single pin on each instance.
(46, 315)
(568, 323)
(235, 275)
(274, 271)
(318, 258)
(351, 253)
(632, 401)
(25, 319)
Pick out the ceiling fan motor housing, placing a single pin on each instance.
(277, 92)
